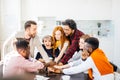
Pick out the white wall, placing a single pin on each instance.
(116, 22)
(75, 9)
(62, 9)
(106, 38)
(0, 26)
(10, 18)
(22, 10)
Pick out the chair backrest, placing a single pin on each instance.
(117, 76)
(7, 45)
(1, 69)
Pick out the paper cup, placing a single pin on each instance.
(65, 77)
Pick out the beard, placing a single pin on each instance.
(81, 49)
(32, 35)
(68, 37)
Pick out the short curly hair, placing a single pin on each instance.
(21, 43)
(71, 23)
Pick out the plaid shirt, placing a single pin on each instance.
(74, 46)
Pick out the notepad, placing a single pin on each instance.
(39, 77)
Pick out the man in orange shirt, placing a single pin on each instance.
(97, 63)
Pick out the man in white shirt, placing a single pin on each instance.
(30, 35)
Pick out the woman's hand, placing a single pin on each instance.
(56, 60)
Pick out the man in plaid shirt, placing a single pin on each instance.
(73, 34)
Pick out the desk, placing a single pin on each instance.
(51, 76)
(54, 76)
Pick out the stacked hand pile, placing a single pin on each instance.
(49, 67)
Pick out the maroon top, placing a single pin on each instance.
(74, 46)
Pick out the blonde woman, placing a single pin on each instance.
(61, 42)
(48, 47)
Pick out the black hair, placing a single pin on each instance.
(94, 42)
(28, 24)
(21, 43)
(71, 23)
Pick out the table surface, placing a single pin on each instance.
(54, 76)
(51, 76)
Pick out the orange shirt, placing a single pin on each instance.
(101, 62)
(97, 64)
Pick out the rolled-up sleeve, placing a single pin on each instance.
(74, 46)
(80, 68)
(41, 50)
(71, 50)
(75, 63)
(30, 66)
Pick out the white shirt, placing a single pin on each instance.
(85, 66)
(34, 42)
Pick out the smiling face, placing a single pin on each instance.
(33, 30)
(67, 30)
(81, 43)
(58, 35)
(47, 42)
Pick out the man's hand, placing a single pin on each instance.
(55, 70)
(52, 63)
(51, 68)
(58, 67)
(60, 64)
(41, 60)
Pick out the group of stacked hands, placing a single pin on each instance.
(49, 67)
